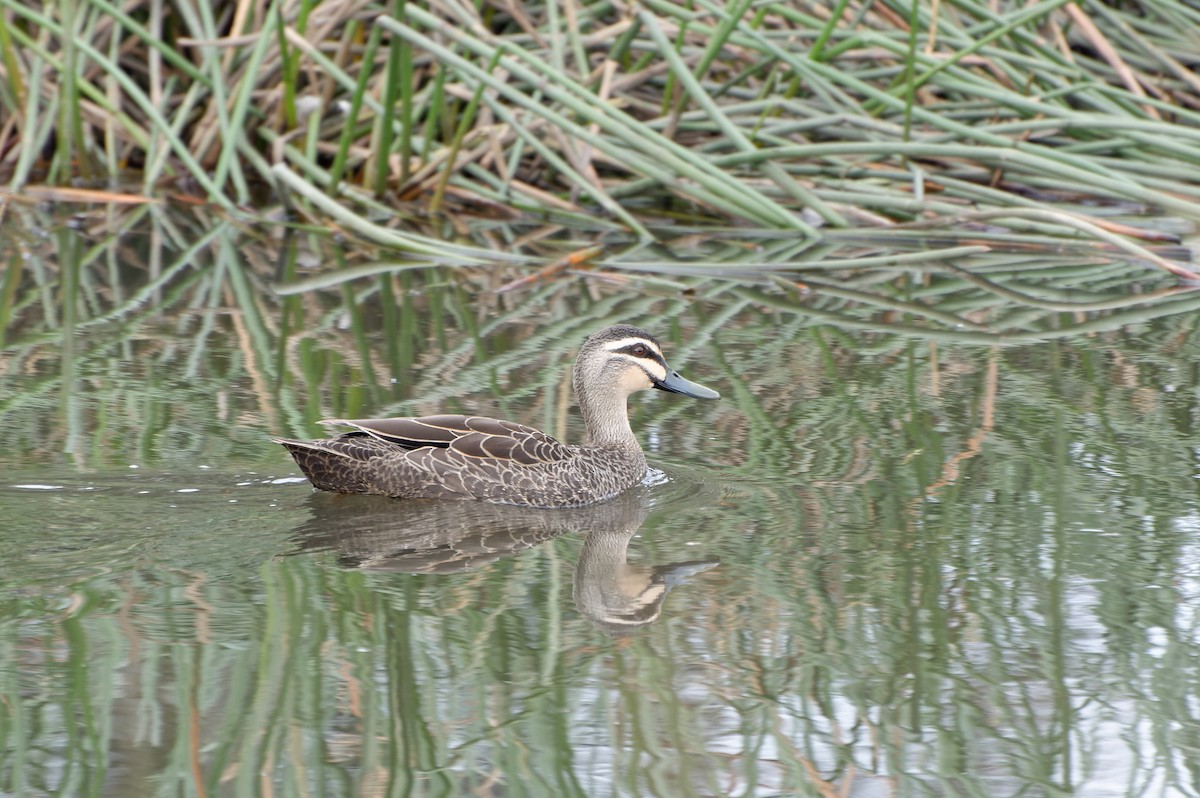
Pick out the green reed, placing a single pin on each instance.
(777, 115)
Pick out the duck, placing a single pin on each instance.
(503, 462)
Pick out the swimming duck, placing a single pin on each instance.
(472, 457)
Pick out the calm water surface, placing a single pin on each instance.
(879, 566)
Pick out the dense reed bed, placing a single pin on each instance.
(1043, 117)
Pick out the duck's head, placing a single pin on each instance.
(622, 360)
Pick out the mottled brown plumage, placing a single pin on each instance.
(472, 457)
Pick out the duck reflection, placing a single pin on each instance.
(430, 536)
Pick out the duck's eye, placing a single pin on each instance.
(638, 350)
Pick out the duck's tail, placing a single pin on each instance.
(331, 464)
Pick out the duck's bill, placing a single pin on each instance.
(677, 384)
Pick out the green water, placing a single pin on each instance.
(883, 564)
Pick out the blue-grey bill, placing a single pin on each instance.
(677, 384)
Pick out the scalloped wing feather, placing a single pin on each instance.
(360, 448)
(411, 433)
(470, 436)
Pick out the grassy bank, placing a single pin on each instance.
(770, 116)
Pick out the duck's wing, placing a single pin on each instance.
(468, 436)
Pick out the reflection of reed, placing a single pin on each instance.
(855, 626)
(444, 537)
(176, 338)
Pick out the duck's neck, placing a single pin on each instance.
(607, 419)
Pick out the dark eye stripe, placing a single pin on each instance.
(647, 354)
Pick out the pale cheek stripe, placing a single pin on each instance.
(649, 365)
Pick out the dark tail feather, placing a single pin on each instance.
(327, 469)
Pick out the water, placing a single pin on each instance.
(882, 564)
